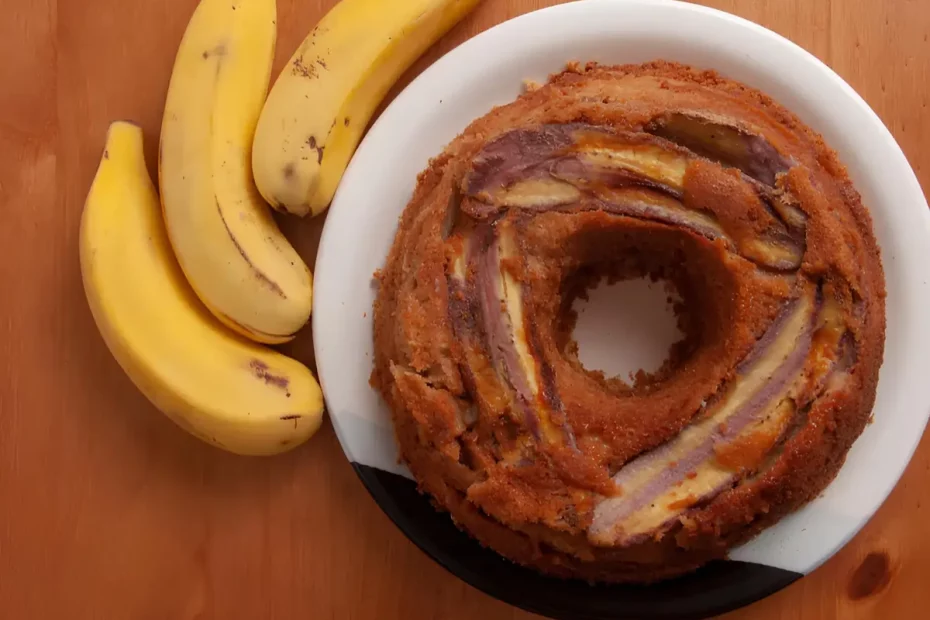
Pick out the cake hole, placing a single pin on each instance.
(626, 328)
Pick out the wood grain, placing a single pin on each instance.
(107, 510)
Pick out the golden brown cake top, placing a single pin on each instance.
(655, 170)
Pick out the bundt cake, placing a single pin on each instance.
(654, 170)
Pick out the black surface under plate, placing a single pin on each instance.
(717, 587)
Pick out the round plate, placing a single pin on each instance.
(489, 70)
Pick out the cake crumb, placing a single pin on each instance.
(530, 85)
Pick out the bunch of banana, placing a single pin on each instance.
(217, 241)
(228, 245)
(228, 391)
(320, 105)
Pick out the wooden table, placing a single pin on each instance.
(109, 511)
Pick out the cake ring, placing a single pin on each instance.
(655, 170)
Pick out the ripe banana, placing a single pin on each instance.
(220, 387)
(229, 247)
(321, 103)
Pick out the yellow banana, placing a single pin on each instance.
(226, 390)
(321, 103)
(229, 247)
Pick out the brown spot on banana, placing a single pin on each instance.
(217, 51)
(274, 286)
(260, 369)
(302, 69)
(312, 143)
(289, 171)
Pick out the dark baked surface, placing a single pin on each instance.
(642, 169)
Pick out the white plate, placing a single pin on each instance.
(489, 70)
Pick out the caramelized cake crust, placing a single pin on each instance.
(653, 169)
